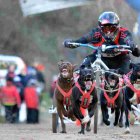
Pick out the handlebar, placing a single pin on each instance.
(83, 45)
(118, 48)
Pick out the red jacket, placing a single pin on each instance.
(10, 95)
(31, 97)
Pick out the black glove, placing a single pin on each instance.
(135, 50)
(66, 43)
(132, 45)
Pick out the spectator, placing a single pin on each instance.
(22, 76)
(32, 102)
(40, 77)
(11, 71)
(18, 83)
(41, 86)
(11, 101)
(31, 74)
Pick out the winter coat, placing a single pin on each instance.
(31, 98)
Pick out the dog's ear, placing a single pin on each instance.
(74, 66)
(60, 63)
(106, 75)
(110, 72)
(118, 71)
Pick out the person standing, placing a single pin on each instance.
(10, 100)
(32, 102)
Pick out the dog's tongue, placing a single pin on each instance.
(112, 82)
(88, 84)
(64, 72)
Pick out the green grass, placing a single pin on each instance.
(2, 119)
(46, 101)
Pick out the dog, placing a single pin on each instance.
(132, 91)
(84, 96)
(112, 97)
(133, 87)
(63, 91)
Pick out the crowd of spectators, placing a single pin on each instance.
(25, 87)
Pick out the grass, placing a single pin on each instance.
(46, 102)
(2, 119)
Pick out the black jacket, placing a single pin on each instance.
(97, 38)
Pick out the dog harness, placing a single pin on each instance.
(85, 100)
(111, 101)
(66, 95)
(136, 91)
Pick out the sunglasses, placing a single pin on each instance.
(109, 28)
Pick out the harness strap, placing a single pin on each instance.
(129, 74)
(93, 85)
(66, 95)
(129, 83)
(85, 101)
(111, 101)
(133, 88)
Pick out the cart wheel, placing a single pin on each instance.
(96, 120)
(54, 122)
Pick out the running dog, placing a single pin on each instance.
(112, 97)
(132, 92)
(84, 97)
(63, 92)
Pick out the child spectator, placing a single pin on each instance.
(10, 100)
(32, 102)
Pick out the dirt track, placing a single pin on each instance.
(43, 131)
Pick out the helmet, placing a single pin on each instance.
(108, 22)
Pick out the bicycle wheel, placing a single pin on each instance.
(54, 122)
(96, 120)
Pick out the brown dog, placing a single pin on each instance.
(63, 92)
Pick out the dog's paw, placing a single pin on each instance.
(81, 132)
(88, 129)
(63, 132)
(106, 122)
(120, 124)
(115, 123)
(86, 119)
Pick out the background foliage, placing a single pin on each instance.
(39, 37)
